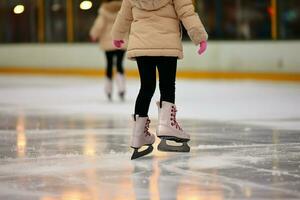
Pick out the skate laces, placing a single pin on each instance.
(173, 118)
(147, 125)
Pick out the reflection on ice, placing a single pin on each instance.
(93, 163)
(52, 155)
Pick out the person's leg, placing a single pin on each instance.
(147, 71)
(141, 135)
(167, 67)
(120, 78)
(108, 80)
(120, 56)
(109, 63)
(168, 127)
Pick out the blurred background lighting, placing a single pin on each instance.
(19, 9)
(56, 7)
(86, 5)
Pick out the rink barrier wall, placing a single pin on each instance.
(223, 60)
(134, 74)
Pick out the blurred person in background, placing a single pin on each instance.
(101, 31)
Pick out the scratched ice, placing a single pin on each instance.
(61, 140)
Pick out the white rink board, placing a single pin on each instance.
(221, 56)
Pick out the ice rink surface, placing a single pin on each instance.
(60, 139)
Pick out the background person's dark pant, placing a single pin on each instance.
(167, 67)
(110, 55)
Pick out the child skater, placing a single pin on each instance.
(101, 30)
(155, 42)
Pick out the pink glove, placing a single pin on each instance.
(93, 39)
(118, 43)
(202, 47)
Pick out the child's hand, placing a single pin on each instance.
(118, 43)
(93, 39)
(202, 47)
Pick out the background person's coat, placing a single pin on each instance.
(154, 26)
(101, 29)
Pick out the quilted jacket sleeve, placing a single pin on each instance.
(123, 21)
(191, 21)
(97, 27)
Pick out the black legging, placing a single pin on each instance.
(119, 54)
(167, 67)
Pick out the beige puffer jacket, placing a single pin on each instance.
(154, 26)
(101, 29)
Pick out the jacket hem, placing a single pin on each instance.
(132, 54)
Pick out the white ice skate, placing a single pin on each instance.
(120, 78)
(141, 137)
(108, 86)
(169, 129)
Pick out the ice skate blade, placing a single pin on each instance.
(163, 146)
(175, 139)
(136, 154)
